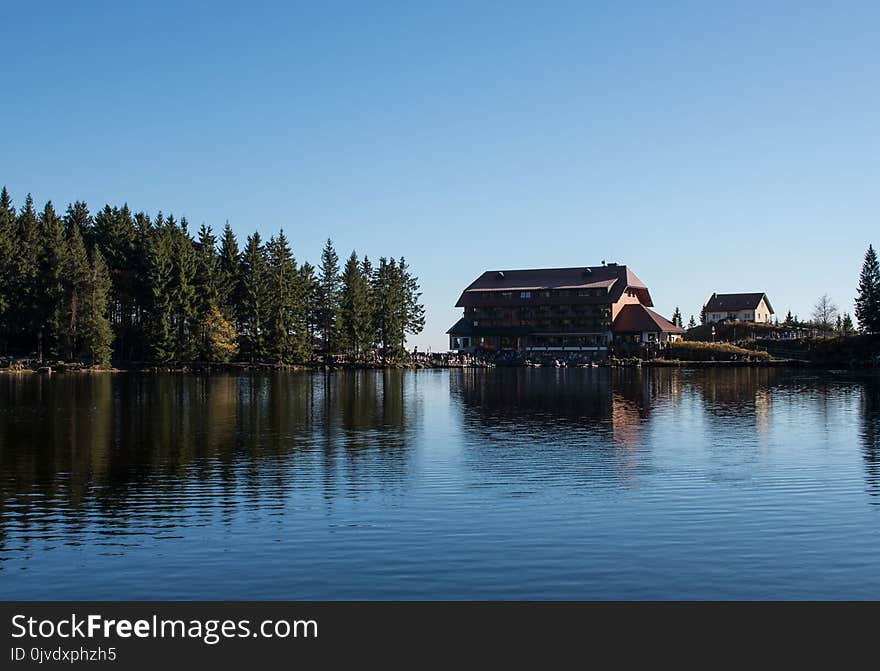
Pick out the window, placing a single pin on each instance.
(506, 294)
(525, 294)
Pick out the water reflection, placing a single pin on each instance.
(870, 434)
(134, 450)
(581, 429)
(351, 485)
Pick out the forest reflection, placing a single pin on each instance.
(169, 445)
(164, 451)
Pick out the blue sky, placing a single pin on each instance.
(710, 148)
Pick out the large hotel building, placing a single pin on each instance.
(580, 310)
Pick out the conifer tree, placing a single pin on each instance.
(206, 294)
(50, 267)
(80, 285)
(282, 299)
(77, 274)
(7, 241)
(97, 335)
(414, 311)
(183, 294)
(868, 300)
(692, 323)
(228, 271)
(355, 310)
(368, 274)
(160, 282)
(115, 234)
(308, 289)
(254, 304)
(676, 317)
(25, 284)
(789, 320)
(847, 326)
(78, 215)
(389, 315)
(141, 291)
(329, 296)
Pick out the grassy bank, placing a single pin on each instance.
(690, 351)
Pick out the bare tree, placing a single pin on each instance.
(824, 312)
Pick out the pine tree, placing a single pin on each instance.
(97, 335)
(355, 310)
(414, 310)
(115, 234)
(692, 323)
(676, 317)
(80, 286)
(370, 338)
(329, 287)
(308, 289)
(789, 320)
(7, 242)
(205, 281)
(160, 282)
(282, 298)
(228, 272)
(78, 215)
(141, 290)
(868, 300)
(254, 305)
(847, 326)
(25, 286)
(703, 315)
(51, 260)
(390, 310)
(77, 274)
(183, 292)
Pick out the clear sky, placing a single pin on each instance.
(710, 148)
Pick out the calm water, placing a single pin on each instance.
(441, 484)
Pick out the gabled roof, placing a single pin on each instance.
(736, 302)
(635, 318)
(465, 327)
(613, 277)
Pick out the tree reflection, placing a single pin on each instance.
(160, 450)
(870, 434)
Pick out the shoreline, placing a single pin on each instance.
(209, 369)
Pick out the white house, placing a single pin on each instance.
(739, 307)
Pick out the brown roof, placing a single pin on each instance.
(612, 277)
(736, 302)
(635, 318)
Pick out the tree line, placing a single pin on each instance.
(128, 286)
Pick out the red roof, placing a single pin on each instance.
(635, 318)
(614, 278)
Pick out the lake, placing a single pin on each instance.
(747, 483)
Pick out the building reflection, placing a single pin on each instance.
(565, 425)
